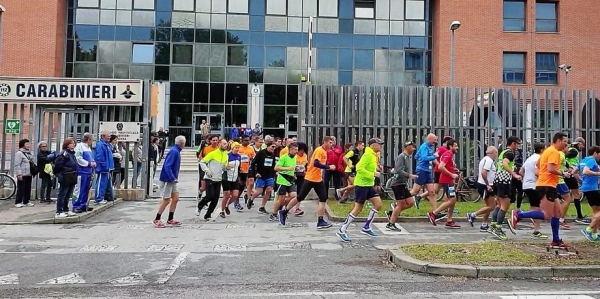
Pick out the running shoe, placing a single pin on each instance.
(173, 222)
(440, 216)
(282, 217)
(222, 214)
(512, 222)
(339, 193)
(262, 210)
(273, 217)
(587, 234)
(484, 228)
(417, 202)
(471, 218)
(583, 221)
(322, 224)
(452, 225)
(392, 227)
(492, 230)
(238, 207)
(388, 214)
(369, 232)
(249, 203)
(343, 236)
(298, 213)
(158, 224)
(559, 244)
(197, 212)
(538, 235)
(431, 217)
(565, 225)
(227, 211)
(501, 235)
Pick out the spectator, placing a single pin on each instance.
(23, 172)
(65, 167)
(44, 158)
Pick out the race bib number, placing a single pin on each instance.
(276, 160)
(245, 159)
(451, 191)
(300, 168)
(268, 162)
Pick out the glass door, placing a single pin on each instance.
(291, 126)
(211, 123)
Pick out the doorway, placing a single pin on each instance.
(213, 120)
(291, 125)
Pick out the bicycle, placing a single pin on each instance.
(8, 185)
(466, 189)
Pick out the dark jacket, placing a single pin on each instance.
(65, 162)
(44, 158)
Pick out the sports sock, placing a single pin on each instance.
(500, 218)
(171, 214)
(346, 224)
(531, 214)
(495, 213)
(157, 216)
(555, 224)
(578, 208)
(370, 218)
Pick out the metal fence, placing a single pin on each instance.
(475, 117)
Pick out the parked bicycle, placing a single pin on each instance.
(8, 185)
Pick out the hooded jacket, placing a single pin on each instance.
(334, 157)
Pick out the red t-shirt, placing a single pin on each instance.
(441, 150)
(448, 158)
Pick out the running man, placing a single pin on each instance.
(300, 171)
(264, 166)
(573, 159)
(286, 180)
(351, 159)
(485, 188)
(211, 144)
(530, 172)
(168, 180)
(366, 172)
(230, 184)
(589, 186)
(425, 157)
(436, 171)
(214, 165)
(448, 176)
(563, 190)
(505, 174)
(402, 172)
(549, 173)
(313, 180)
(247, 153)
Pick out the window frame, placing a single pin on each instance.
(364, 4)
(143, 44)
(547, 71)
(247, 10)
(267, 9)
(524, 19)
(337, 10)
(173, 53)
(506, 71)
(555, 19)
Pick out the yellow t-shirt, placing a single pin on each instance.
(349, 155)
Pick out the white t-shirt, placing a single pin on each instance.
(529, 177)
(488, 164)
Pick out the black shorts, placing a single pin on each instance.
(285, 190)
(436, 177)
(401, 192)
(549, 192)
(572, 183)
(350, 174)
(534, 197)
(503, 190)
(484, 192)
(446, 188)
(243, 179)
(362, 194)
(319, 188)
(593, 198)
(230, 186)
(251, 174)
(377, 181)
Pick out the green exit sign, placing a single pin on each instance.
(12, 126)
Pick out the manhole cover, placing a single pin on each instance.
(27, 248)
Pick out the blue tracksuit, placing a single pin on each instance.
(84, 157)
(170, 170)
(425, 157)
(104, 163)
(233, 133)
(248, 132)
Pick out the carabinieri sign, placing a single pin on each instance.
(70, 91)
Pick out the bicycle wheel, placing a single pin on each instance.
(8, 186)
(440, 195)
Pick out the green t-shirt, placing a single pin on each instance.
(285, 161)
(365, 169)
(563, 166)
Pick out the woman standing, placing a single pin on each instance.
(45, 157)
(123, 153)
(153, 155)
(231, 186)
(137, 158)
(23, 171)
(116, 174)
(65, 168)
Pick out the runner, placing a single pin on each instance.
(168, 180)
(502, 182)
(366, 172)
(351, 158)
(549, 173)
(403, 171)
(425, 157)
(286, 180)
(204, 149)
(263, 164)
(436, 171)
(563, 190)
(448, 176)
(589, 186)
(485, 188)
(247, 153)
(214, 165)
(300, 172)
(313, 180)
(530, 172)
(231, 185)
(573, 184)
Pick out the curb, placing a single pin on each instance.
(75, 219)
(404, 261)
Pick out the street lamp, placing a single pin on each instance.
(566, 68)
(455, 25)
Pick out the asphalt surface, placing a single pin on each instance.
(119, 254)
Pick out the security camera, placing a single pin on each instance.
(455, 25)
(564, 67)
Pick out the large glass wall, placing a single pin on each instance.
(211, 50)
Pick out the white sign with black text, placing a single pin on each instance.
(126, 131)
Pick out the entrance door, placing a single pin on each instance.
(214, 121)
(60, 124)
(291, 125)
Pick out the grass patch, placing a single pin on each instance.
(505, 254)
(462, 207)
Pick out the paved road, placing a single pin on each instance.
(119, 254)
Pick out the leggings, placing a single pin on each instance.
(213, 190)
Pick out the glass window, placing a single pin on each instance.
(218, 21)
(163, 19)
(546, 68)
(161, 72)
(183, 54)
(237, 6)
(238, 22)
(106, 52)
(163, 34)
(85, 70)
(123, 18)
(237, 114)
(88, 16)
(277, 7)
(219, 6)
(364, 9)
(273, 23)
(415, 10)
(275, 56)
(167, 5)
(182, 35)
(256, 56)
(257, 23)
(237, 55)
(382, 9)
(182, 93)
(142, 33)
(202, 35)
(218, 56)
(143, 53)
(328, 8)
(122, 33)
(86, 32)
(107, 17)
(107, 32)
(123, 51)
(217, 93)
(274, 94)
(218, 36)
(237, 37)
(183, 20)
(143, 18)
(86, 51)
(184, 5)
(274, 116)
(236, 94)
(513, 68)
(545, 17)
(327, 58)
(87, 3)
(346, 26)
(182, 73)
(143, 4)
(203, 5)
(110, 4)
(363, 59)
(256, 75)
(514, 15)
(124, 4)
(257, 7)
(292, 94)
(275, 38)
(413, 61)
(310, 8)
(180, 115)
(162, 55)
(345, 59)
(346, 9)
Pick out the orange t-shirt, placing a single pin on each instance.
(545, 178)
(314, 174)
(208, 149)
(301, 162)
(247, 153)
(284, 151)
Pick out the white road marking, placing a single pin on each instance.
(548, 297)
(9, 279)
(231, 247)
(164, 277)
(98, 248)
(131, 279)
(72, 278)
(295, 294)
(520, 294)
(381, 227)
(158, 247)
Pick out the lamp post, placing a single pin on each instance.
(455, 25)
(566, 68)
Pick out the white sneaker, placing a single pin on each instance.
(197, 212)
(60, 215)
(101, 203)
(19, 205)
(71, 214)
(30, 204)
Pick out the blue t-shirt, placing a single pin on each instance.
(589, 182)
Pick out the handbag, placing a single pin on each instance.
(32, 167)
(69, 178)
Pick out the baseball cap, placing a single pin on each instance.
(375, 140)
(409, 143)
